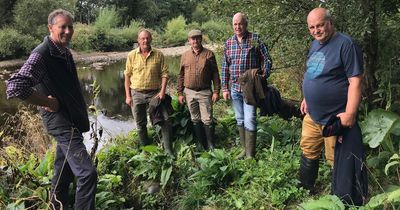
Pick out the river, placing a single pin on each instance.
(115, 116)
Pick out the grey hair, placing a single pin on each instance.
(243, 17)
(58, 12)
(328, 15)
(144, 30)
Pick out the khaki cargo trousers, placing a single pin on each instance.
(312, 142)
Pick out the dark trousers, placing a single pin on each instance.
(72, 160)
(350, 181)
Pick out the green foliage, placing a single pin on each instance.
(175, 32)
(6, 12)
(81, 39)
(154, 164)
(107, 18)
(130, 33)
(393, 161)
(14, 44)
(26, 181)
(106, 198)
(327, 202)
(106, 36)
(390, 199)
(102, 39)
(199, 15)
(378, 127)
(217, 30)
(30, 16)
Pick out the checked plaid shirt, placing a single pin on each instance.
(33, 72)
(239, 57)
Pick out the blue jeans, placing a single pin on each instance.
(245, 114)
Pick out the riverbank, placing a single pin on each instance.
(102, 57)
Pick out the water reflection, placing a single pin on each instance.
(111, 99)
(116, 116)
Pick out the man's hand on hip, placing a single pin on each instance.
(53, 104)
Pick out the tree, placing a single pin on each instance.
(283, 26)
(6, 8)
(31, 15)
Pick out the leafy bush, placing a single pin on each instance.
(217, 30)
(81, 38)
(129, 34)
(14, 44)
(107, 37)
(105, 41)
(31, 15)
(175, 32)
(107, 18)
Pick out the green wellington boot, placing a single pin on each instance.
(209, 129)
(166, 132)
(242, 142)
(200, 135)
(251, 137)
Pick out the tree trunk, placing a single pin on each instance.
(370, 45)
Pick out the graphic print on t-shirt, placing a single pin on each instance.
(315, 65)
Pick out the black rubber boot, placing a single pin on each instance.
(242, 142)
(251, 137)
(308, 173)
(200, 135)
(143, 137)
(166, 132)
(210, 136)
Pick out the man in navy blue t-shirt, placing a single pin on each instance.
(331, 87)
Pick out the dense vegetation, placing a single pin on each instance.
(105, 25)
(209, 180)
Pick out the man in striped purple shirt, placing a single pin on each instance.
(49, 80)
(243, 51)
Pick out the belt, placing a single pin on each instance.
(199, 89)
(145, 91)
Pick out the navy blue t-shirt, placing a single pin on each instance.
(329, 66)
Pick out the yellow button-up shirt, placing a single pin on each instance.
(145, 73)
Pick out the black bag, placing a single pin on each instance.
(272, 102)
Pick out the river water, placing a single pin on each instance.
(115, 116)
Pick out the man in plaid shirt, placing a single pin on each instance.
(49, 80)
(243, 51)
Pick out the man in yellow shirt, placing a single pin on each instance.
(145, 68)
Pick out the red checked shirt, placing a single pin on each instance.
(238, 57)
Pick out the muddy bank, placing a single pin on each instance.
(100, 57)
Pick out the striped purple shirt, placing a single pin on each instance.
(239, 57)
(31, 74)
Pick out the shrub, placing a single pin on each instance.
(80, 40)
(175, 33)
(107, 19)
(31, 15)
(217, 31)
(106, 37)
(14, 44)
(129, 34)
(106, 41)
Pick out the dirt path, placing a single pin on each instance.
(101, 57)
